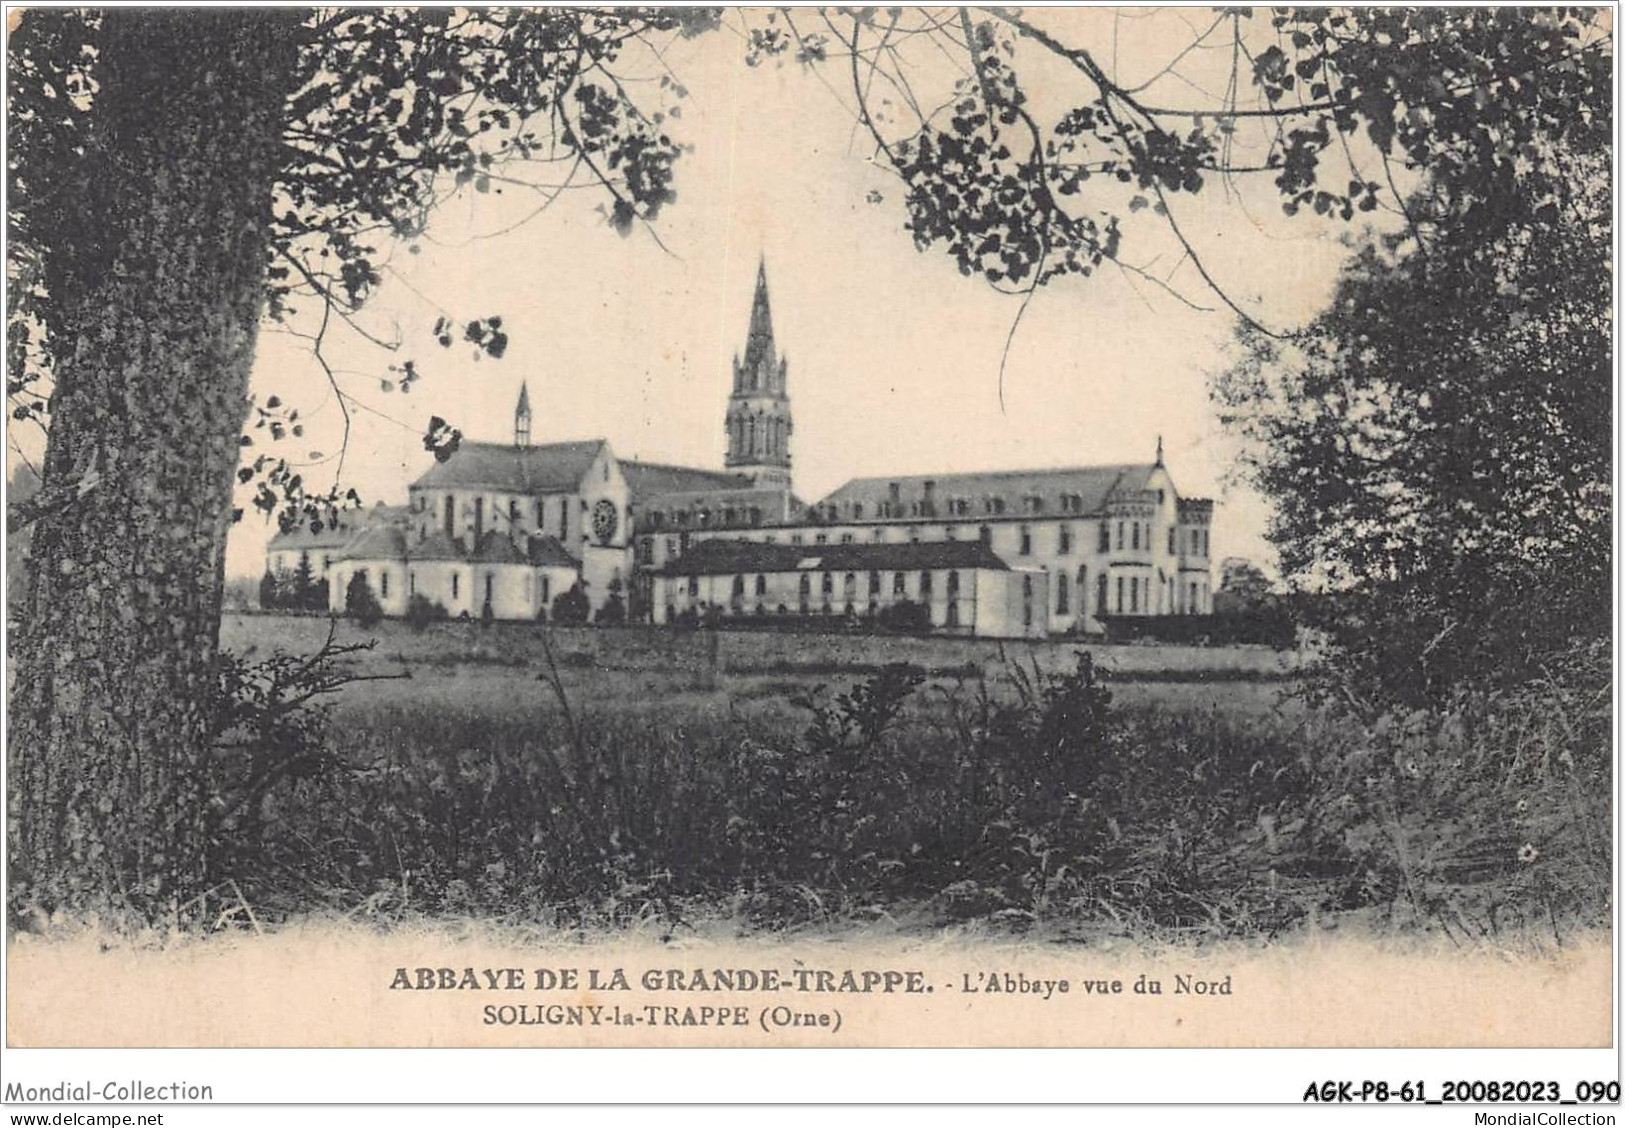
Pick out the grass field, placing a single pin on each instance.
(621, 775)
(674, 675)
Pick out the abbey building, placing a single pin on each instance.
(506, 528)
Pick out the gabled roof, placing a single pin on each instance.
(717, 557)
(647, 480)
(545, 468)
(350, 523)
(549, 552)
(438, 546)
(1093, 485)
(772, 505)
(497, 548)
(381, 542)
(494, 547)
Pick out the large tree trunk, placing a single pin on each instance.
(115, 654)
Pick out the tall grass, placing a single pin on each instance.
(1030, 798)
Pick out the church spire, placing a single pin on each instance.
(521, 417)
(760, 354)
(758, 418)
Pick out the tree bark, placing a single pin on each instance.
(116, 649)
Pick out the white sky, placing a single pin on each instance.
(893, 355)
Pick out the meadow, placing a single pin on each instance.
(596, 778)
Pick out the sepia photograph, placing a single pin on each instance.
(712, 528)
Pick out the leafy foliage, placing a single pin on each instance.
(392, 112)
(1438, 442)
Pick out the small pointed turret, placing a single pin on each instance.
(521, 417)
(1159, 450)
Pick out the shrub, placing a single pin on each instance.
(316, 596)
(1271, 625)
(570, 607)
(613, 612)
(270, 595)
(359, 602)
(905, 617)
(421, 611)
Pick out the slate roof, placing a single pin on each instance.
(494, 548)
(1093, 485)
(543, 468)
(497, 548)
(774, 506)
(550, 552)
(717, 557)
(649, 480)
(381, 542)
(438, 546)
(351, 523)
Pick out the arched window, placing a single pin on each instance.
(805, 588)
(985, 535)
(899, 584)
(925, 586)
(827, 584)
(513, 515)
(1026, 541)
(1063, 596)
(761, 585)
(953, 585)
(874, 583)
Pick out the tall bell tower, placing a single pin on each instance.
(758, 418)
